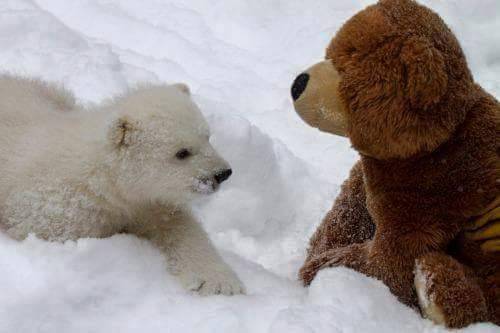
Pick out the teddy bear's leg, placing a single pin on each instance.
(346, 223)
(491, 289)
(448, 292)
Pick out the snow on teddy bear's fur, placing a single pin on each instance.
(131, 165)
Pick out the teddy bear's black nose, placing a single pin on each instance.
(299, 85)
(223, 175)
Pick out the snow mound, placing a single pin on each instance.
(239, 58)
(253, 214)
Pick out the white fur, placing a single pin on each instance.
(67, 173)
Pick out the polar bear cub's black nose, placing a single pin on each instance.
(223, 175)
(299, 85)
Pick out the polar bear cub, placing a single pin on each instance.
(130, 165)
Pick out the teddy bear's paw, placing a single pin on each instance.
(311, 268)
(217, 284)
(308, 272)
(447, 293)
(352, 256)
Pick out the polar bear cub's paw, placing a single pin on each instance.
(220, 282)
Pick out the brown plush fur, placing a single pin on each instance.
(348, 221)
(461, 301)
(428, 139)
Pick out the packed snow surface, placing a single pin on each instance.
(239, 58)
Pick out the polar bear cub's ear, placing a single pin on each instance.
(183, 87)
(120, 132)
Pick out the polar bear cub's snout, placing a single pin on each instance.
(207, 185)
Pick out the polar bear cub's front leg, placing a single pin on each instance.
(190, 254)
(195, 261)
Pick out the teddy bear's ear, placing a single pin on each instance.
(120, 132)
(427, 79)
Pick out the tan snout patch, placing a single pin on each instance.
(319, 104)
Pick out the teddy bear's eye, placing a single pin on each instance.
(183, 154)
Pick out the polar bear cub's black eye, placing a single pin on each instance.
(183, 154)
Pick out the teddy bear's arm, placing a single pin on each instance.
(346, 223)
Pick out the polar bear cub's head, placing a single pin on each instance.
(160, 146)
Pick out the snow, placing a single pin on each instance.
(239, 58)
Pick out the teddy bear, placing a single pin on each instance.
(420, 210)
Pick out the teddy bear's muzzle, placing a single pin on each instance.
(316, 100)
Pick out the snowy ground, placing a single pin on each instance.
(239, 57)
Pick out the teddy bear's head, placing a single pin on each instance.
(395, 81)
